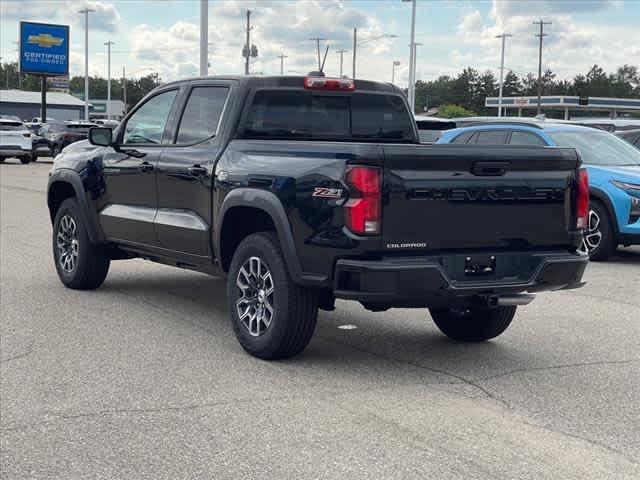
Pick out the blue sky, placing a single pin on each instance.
(162, 35)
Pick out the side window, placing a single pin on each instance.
(463, 138)
(202, 114)
(491, 137)
(525, 138)
(147, 124)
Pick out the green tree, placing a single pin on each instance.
(455, 111)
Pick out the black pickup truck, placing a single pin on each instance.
(302, 190)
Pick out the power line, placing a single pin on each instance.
(541, 35)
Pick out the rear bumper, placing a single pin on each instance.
(11, 151)
(429, 281)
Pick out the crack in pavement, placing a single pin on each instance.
(28, 351)
(463, 380)
(554, 367)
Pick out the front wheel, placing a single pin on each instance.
(473, 324)
(80, 264)
(271, 316)
(599, 237)
(25, 160)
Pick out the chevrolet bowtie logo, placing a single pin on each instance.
(45, 40)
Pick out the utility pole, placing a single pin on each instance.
(318, 40)
(204, 38)
(355, 46)
(393, 71)
(108, 44)
(341, 52)
(86, 12)
(541, 35)
(503, 37)
(248, 45)
(124, 90)
(412, 59)
(282, 56)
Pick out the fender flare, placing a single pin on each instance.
(272, 206)
(71, 177)
(601, 196)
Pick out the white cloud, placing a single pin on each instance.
(278, 27)
(105, 17)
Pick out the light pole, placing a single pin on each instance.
(541, 35)
(503, 37)
(412, 57)
(393, 71)
(341, 52)
(86, 12)
(108, 44)
(357, 44)
(282, 56)
(204, 37)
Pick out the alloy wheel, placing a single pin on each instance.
(67, 243)
(592, 237)
(255, 303)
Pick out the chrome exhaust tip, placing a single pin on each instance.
(515, 300)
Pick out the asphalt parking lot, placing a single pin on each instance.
(143, 378)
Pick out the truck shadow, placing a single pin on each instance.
(396, 342)
(630, 255)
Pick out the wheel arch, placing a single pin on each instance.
(602, 197)
(259, 210)
(66, 183)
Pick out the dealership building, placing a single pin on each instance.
(568, 105)
(26, 105)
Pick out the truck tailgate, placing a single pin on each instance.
(463, 197)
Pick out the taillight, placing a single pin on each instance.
(321, 83)
(582, 200)
(28, 135)
(363, 209)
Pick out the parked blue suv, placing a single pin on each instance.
(613, 166)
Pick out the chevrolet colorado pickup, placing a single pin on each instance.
(302, 190)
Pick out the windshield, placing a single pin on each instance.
(599, 148)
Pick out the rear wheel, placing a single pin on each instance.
(25, 160)
(80, 264)
(599, 237)
(474, 324)
(271, 316)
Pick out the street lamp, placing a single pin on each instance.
(393, 71)
(356, 44)
(412, 57)
(86, 12)
(108, 44)
(503, 37)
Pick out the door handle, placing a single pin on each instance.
(145, 167)
(197, 171)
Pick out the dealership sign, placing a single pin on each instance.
(44, 49)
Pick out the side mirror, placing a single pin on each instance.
(100, 136)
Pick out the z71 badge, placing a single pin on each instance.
(324, 192)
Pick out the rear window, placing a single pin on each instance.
(305, 115)
(6, 126)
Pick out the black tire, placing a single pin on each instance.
(294, 309)
(91, 263)
(608, 244)
(473, 324)
(1, 159)
(55, 151)
(34, 157)
(25, 160)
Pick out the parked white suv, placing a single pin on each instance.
(15, 141)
